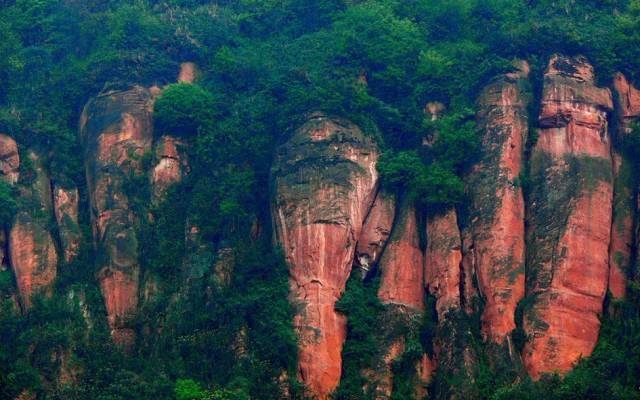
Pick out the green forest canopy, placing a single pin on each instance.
(266, 64)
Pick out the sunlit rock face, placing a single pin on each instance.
(32, 250)
(569, 211)
(496, 228)
(324, 182)
(116, 127)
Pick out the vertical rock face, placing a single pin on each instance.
(116, 127)
(31, 248)
(188, 72)
(172, 165)
(402, 289)
(627, 99)
(9, 172)
(497, 204)
(443, 259)
(570, 218)
(324, 180)
(65, 205)
(9, 159)
(375, 231)
(402, 263)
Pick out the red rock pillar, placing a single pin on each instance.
(627, 101)
(570, 218)
(65, 206)
(116, 127)
(497, 203)
(443, 259)
(324, 183)
(32, 251)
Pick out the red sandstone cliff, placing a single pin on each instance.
(324, 180)
(31, 248)
(401, 289)
(9, 159)
(570, 218)
(9, 172)
(171, 165)
(401, 265)
(116, 128)
(65, 205)
(375, 231)
(497, 203)
(443, 259)
(627, 101)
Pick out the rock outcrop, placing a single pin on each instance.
(402, 263)
(401, 289)
(375, 232)
(9, 159)
(627, 101)
(324, 182)
(443, 257)
(116, 128)
(31, 247)
(497, 203)
(65, 206)
(171, 167)
(9, 173)
(569, 213)
(188, 72)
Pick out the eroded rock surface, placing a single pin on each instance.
(570, 218)
(497, 204)
(627, 101)
(116, 127)
(375, 232)
(65, 205)
(9, 159)
(402, 263)
(31, 248)
(171, 167)
(443, 257)
(324, 183)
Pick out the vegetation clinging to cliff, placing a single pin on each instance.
(264, 66)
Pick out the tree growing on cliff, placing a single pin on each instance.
(182, 109)
(8, 203)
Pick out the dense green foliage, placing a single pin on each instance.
(264, 66)
(8, 203)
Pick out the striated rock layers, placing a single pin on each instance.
(569, 212)
(497, 203)
(324, 182)
(116, 128)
